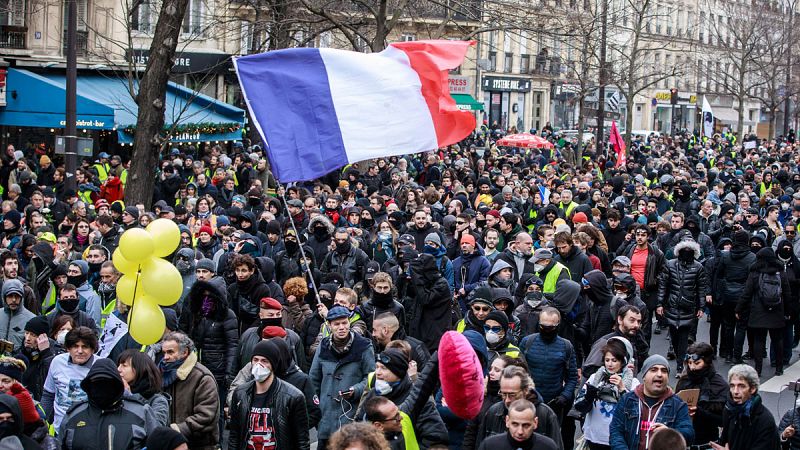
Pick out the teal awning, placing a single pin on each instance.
(105, 103)
(466, 102)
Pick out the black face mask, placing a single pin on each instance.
(321, 232)
(343, 247)
(395, 224)
(94, 267)
(480, 223)
(548, 332)
(785, 253)
(291, 246)
(755, 248)
(68, 306)
(76, 280)
(104, 393)
(271, 322)
(7, 429)
(253, 201)
(382, 300)
(367, 223)
(686, 255)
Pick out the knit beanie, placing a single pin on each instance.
(164, 438)
(653, 360)
(499, 317)
(394, 360)
(26, 403)
(206, 229)
(133, 211)
(206, 264)
(37, 325)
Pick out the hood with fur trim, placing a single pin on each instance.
(323, 219)
(687, 243)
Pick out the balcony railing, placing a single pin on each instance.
(81, 47)
(13, 37)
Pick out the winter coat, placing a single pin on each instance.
(288, 265)
(420, 235)
(331, 373)
(552, 365)
(732, 272)
(216, 336)
(501, 442)
(470, 270)
(252, 336)
(194, 408)
(519, 263)
(287, 411)
(791, 417)
(683, 287)
(428, 310)
(350, 266)
(245, 296)
(372, 309)
(493, 422)
(12, 323)
(753, 431)
(320, 246)
(37, 368)
(710, 405)
(17, 432)
(600, 321)
(90, 302)
(669, 410)
(577, 262)
(752, 307)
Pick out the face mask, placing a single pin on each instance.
(183, 266)
(291, 246)
(784, 206)
(533, 298)
(76, 280)
(502, 282)
(538, 267)
(253, 201)
(68, 305)
(785, 253)
(367, 223)
(94, 267)
(7, 429)
(548, 332)
(61, 336)
(686, 254)
(260, 373)
(104, 395)
(271, 322)
(382, 387)
(431, 250)
(343, 247)
(320, 232)
(492, 338)
(480, 223)
(620, 296)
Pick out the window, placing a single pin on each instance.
(193, 20)
(507, 42)
(702, 25)
(246, 38)
(325, 39)
(12, 12)
(408, 37)
(509, 62)
(82, 36)
(492, 61)
(141, 17)
(524, 63)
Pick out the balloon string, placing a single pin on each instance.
(135, 287)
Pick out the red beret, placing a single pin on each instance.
(579, 217)
(270, 303)
(271, 332)
(495, 213)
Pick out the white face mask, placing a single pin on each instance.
(382, 387)
(61, 336)
(784, 206)
(537, 267)
(619, 296)
(260, 373)
(492, 338)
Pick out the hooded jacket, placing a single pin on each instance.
(429, 313)
(18, 433)
(373, 308)
(751, 306)
(683, 287)
(625, 426)
(245, 296)
(12, 323)
(601, 322)
(87, 426)
(577, 262)
(189, 276)
(732, 272)
(320, 244)
(216, 334)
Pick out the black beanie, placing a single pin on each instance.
(395, 361)
(164, 438)
(37, 325)
(273, 227)
(741, 238)
(264, 349)
(500, 317)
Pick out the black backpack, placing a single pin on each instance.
(770, 290)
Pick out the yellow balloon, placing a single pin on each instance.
(166, 236)
(136, 245)
(127, 290)
(146, 321)
(122, 264)
(161, 281)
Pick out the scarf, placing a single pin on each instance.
(207, 307)
(169, 372)
(81, 240)
(745, 408)
(203, 215)
(340, 348)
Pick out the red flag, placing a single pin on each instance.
(619, 144)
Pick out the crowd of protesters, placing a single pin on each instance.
(311, 314)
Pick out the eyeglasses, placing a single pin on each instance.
(481, 308)
(505, 395)
(497, 329)
(397, 418)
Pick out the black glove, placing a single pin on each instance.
(558, 403)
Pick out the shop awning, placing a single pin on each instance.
(105, 103)
(466, 102)
(730, 116)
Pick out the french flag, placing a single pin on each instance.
(320, 109)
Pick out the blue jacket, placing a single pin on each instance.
(552, 365)
(331, 374)
(626, 423)
(478, 268)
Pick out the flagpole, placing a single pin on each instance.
(282, 189)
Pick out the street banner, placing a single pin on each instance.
(619, 145)
(708, 119)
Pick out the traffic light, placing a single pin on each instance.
(673, 96)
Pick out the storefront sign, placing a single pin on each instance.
(83, 123)
(459, 84)
(187, 62)
(506, 84)
(665, 96)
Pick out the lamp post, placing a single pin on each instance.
(72, 87)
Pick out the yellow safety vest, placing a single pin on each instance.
(105, 312)
(49, 301)
(409, 436)
(123, 177)
(461, 326)
(86, 197)
(552, 278)
(102, 171)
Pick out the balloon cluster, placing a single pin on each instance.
(148, 281)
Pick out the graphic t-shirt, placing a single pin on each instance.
(260, 429)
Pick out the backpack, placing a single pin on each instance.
(770, 290)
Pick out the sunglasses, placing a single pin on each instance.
(460, 222)
(481, 308)
(497, 329)
(693, 357)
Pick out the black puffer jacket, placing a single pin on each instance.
(733, 270)
(428, 310)
(683, 287)
(374, 307)
(751, 306)
(287, 410)
(216, 334)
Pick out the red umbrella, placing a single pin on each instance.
(524, 140)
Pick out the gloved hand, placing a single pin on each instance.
(559, 403)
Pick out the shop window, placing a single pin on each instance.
(141, 17)
(524, 63)
(193, 20)
(509, 62)
(492, 61)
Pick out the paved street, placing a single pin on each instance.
(773, 389)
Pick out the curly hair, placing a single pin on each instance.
(359, 432)
(296, 286)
